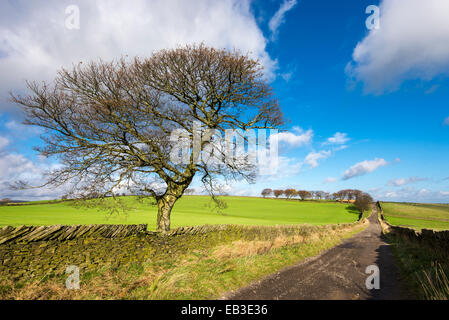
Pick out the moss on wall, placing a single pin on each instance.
(36, 252)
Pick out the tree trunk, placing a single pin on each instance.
(164, 207)
(165, 203)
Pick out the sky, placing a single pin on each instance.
(367, 100)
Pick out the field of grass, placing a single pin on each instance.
(417, 216)
(188, 211)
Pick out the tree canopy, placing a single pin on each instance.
(111, 124)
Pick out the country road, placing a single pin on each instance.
(336, 274)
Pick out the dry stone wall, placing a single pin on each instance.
(58, 232)
(425, 236)
(27, 252)
(36, 252)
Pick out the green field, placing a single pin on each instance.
(417, 216)
(188, 211)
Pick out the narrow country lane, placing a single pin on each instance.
(338, 273)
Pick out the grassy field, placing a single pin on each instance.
(188, 211)
(206, 270)
(417, 216)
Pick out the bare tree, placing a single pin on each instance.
(345, 194)
(278, 193)
(110, 122)
(355, 194)
(363, 202)
(266, 192)
(303, 194)
(290, 193)
(318, 195)
(348, 194)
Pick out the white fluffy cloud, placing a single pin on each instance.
(278, 167)
(338, 138)
(279, 17)
(404, 181)
(286, 167)
(412, 43)
(364, 167)
(297, 138)
(15, 167)
(313, 157)
(34, 41)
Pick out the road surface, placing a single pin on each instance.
(336, 274)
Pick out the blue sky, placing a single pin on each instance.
(382, 94)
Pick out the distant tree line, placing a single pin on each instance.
(97, 195)
(361, 200)
(4, 201)
(302, 194)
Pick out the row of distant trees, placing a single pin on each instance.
(292, 193)
(96, 195)
(362, 200)
(346, 194)
(4, 201)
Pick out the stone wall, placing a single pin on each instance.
(42, 233)
(425, 236)
(28, 252)
(36, 252)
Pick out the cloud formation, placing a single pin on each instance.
(278, 168)
(35, 42)
(279, 17)
(410, 44)
(15, 167)
(338, 138)
(297, 138)
(313, 157)
(404, 181)
(364, 167)
(412, 194)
